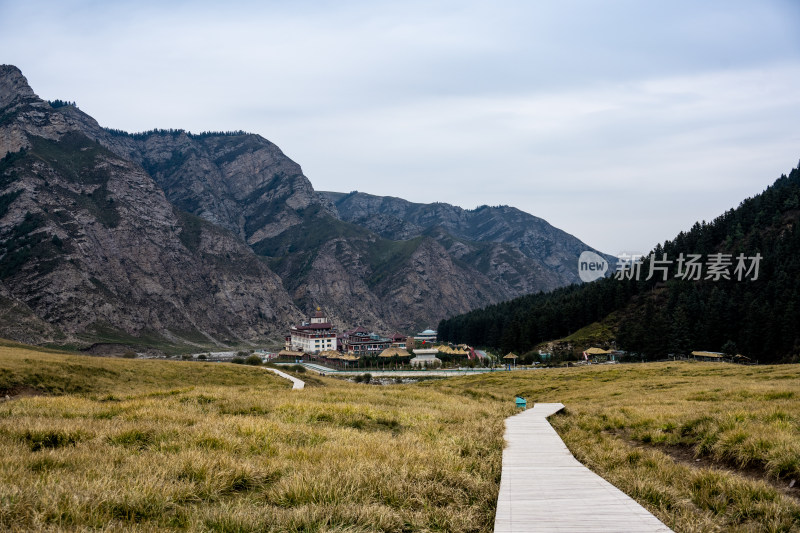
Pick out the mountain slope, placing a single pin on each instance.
(759, 318)
(395, 218)
(90, 244)
(450, 261)
(167, 222)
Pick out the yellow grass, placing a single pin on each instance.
(246, 456)
(621, 420)
(131, 445)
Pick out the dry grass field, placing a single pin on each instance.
(704, 446)
(137, 445)
(142, 445)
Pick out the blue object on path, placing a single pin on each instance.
(521, 402)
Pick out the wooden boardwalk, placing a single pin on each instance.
(544, 488)
(296, 383)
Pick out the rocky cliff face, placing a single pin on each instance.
(92, 247)
(540, 256)
(236, 180)
(172, 235)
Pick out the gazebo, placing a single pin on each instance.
(348, 358)
(291, 354)
(329, 354)
(394, 353)
(511, 357)
(595, 352)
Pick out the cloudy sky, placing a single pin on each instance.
(621, 122)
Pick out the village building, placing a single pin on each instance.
(426, 357)
(427, 336)
(708, 356)
(359, 342)
(479, 355)
(314, 336)
(598, 355)
(401, 341)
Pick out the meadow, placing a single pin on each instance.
(704, 446)
(140, 445)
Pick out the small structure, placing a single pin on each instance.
(291, 354)
(448, 353)
(479, 355)
(347, 359)
(598, 354)
(443, 348)
(394, 352)
(708, 356)
(426, 357)
(426, 336)
(510, 358)
(400, 341)
(741, 359)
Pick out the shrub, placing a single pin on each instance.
(237, 360)
(129, 355)
(187, 357)
(366, 378)
(253, 360)
(202, 357)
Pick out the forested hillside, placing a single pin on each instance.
(756, 316)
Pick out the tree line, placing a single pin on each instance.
(654, 318)
(174, 133)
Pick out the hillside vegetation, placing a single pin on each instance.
(758, 317)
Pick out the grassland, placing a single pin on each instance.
(136, 445)
(704, 446)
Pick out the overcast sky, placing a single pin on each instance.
(621, 122)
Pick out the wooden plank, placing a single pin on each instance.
(544, 488)
(297, 384)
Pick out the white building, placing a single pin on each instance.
(427, 336)
(314, 336)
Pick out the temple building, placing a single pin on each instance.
(359, 342)
(426, 336)
(314, 336)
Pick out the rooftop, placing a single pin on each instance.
(321, 325)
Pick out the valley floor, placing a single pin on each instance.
(129, 445)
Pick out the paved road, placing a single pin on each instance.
(544, 488)
(397, 373)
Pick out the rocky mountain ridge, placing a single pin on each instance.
(173, 235)
(91, 247)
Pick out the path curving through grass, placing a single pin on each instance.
(544, 488)
(297, 384)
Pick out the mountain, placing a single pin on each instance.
(550, 251)
(753, 311)
(220, 237)
(90, 245)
